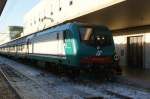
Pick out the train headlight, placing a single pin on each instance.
(116, 57)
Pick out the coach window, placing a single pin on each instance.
(57, 36)
(23, 46)
(18, 48)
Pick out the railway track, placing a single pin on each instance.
(118, 95)
(14, 77)
(7, 91)
(107, 94)
(23, 86)
(54, 87)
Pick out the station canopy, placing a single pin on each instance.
(2, 4)
(127, 14)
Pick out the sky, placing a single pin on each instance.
(14, 12)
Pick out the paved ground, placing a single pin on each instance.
(136, 77)
(6, 91)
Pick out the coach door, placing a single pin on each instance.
(61, 50)
(68, 43)
(135, 51)
(29, 46)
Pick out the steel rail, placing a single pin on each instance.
(10, 85)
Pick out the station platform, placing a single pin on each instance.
(136, 77)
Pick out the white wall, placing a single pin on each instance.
(45, 8)
(120, 44)
(147, 50)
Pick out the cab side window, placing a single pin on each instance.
(67, 35)
(64, 36)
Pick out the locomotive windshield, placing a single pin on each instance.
(94, 36)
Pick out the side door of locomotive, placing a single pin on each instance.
(68, 45)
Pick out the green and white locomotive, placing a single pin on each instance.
(72, 45)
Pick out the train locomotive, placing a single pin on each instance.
(76, 46)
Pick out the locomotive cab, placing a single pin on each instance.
(97, 49)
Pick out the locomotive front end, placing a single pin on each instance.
(97, 50)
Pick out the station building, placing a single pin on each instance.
(10, 33)
(129, 20)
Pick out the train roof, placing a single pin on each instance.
(57, 28)
(23, 39)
